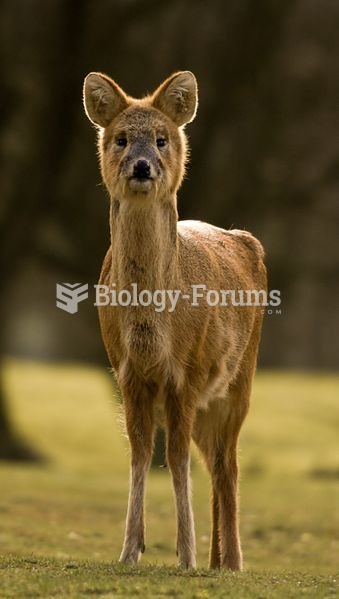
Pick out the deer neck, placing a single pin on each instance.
(144, 243)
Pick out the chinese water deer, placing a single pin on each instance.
(190, 369)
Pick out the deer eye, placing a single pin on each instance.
(121, 142)
(161, 142)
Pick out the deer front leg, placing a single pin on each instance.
(138, 402)
(179, 426)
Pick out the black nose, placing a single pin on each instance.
(141, 169)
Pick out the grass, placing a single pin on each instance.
(61, 525)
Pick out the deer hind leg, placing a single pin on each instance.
(205, 437)
(180, 417)
(225, 464)
(216, 438)
(225, 481)
(138, 401)
(215, 557)
(216, 434)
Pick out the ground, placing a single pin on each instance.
(61, 524)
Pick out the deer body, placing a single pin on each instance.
(190, 369)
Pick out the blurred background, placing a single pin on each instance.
(265, 157)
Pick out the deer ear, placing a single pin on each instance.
(103, 99)
(177, 97)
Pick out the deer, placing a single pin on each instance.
(189, 370)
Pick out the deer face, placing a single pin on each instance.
(142, 152)
(141, 142)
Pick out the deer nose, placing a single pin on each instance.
(142, 169)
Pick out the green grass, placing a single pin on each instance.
(61, 525)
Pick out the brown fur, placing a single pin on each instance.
(191, 369)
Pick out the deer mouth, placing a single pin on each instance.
(140, 184)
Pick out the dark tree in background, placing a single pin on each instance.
(265, 156)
